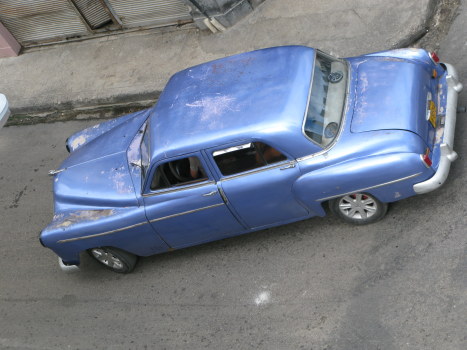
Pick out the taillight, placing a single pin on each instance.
(434, 57)
(426, 158)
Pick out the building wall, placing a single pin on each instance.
(9, 47)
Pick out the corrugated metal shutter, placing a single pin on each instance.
(138, 13)
(93, 12)
(37, 20)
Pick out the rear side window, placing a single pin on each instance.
(249, 156)
(178, 172)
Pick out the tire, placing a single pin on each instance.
(67, 147)
(358, 208)
(114, 259)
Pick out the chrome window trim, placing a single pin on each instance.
(369, 188)
(102, 234)
(344, 110)
(186, 212)
(178, 188)
(232, 149)
(258, 170)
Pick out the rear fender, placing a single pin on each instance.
(410, 54)
(388, 177)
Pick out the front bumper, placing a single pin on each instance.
(4, 110)
(67, 268)
(448, 155)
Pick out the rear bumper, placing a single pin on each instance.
(448, 155)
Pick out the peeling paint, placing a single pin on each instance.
(118, 180)
(439, 134)
(66, 220)
(214, 106)
(79, 141)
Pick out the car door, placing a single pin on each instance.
(257, 181)
(184, 205)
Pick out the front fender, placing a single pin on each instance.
(85, 136)
(71, 232)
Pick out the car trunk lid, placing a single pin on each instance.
(395, 94)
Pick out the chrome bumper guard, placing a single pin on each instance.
(67, 268)
(4, 110)
(448, 155)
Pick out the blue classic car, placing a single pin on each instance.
(252, 141)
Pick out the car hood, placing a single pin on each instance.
(97, 173)
(103, 182)
(391, 94)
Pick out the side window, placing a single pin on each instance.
(178, 172)
(246, 157)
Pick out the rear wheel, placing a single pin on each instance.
(358, 208)
(114, 259)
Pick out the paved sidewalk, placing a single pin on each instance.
(134, 67)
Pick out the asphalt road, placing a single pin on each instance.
(318, 284)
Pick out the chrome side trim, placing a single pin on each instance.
(371, 187)
(177, 189)
(259, 170)
(186, 212)
(101, 234)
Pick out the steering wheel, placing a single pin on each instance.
(176, 171)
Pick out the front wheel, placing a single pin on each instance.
(114, 259)
(358, 208)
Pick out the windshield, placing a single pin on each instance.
(326, 102)
(145, 153)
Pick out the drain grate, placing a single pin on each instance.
(93, 12)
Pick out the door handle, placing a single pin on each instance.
(288, 166)
(209, 194)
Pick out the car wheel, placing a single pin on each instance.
(114, 259)
(358, 208)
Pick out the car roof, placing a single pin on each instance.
(255, 95)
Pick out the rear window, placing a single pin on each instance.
(326, 101)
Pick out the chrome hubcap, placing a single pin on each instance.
(358, 206)
(107, 258)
